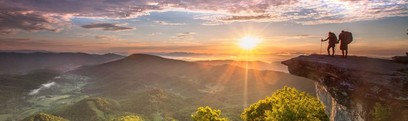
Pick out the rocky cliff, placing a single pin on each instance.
(351, 87)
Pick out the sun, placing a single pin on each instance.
(248, 42)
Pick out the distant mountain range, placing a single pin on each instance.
(153, 87)
(24, 62)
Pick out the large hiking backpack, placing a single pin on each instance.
(333, 37)
(349, 37)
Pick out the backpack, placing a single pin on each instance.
(332, 37)
(349, 37)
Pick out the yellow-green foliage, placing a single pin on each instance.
(128, 117)
(381, 112)
(44, 117)
(287, 104)
(207, 114)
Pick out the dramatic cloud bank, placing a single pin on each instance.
(13, 21)
(35, 15)
(312, 12)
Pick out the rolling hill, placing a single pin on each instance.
(89, 109)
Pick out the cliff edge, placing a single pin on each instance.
(357, 83)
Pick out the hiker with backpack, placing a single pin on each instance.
(332, 42)
(345, 38)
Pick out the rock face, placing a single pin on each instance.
(401, 59)
(350, 87)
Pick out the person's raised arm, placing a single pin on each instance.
(325, 39)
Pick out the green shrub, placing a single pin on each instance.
(44, 117)
(128, 117)
(207, 114)
(287, 104)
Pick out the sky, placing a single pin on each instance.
(379, 27)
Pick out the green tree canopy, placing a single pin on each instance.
(127, 117)
(44, 117)
(287, 104)
(207, 114)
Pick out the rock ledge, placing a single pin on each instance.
(358, 81)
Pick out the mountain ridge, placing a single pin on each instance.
(135, 62)
(17, 63)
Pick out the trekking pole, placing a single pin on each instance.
(321, 46)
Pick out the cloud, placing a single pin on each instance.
(184, 35)
(88, 8)
(33, 15)
(155, 33)
(310, 12)
(14, 21)
(304, 36)
(106, 27)
(107, 37)
(292, 38)
(168, 23)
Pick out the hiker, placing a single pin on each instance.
(345, 38)
(332, 42)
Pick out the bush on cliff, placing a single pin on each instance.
(287, 104)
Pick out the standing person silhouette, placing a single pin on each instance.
(345, 38)
(332, 42)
